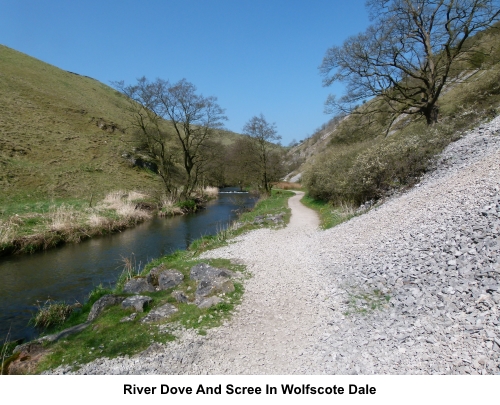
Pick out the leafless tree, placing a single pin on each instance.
(152, 130)
(263, 135)
(405, 57)
(194, 120)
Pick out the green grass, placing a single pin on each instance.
(108, 337)
(365, 302)
(274, 204)
(329, 215)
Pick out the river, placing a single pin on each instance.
(70, 272)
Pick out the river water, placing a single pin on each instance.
(70, 272)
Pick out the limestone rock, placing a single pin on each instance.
(208, 302)
(154, 273)
(102, 303)
(160, 313)
(138, 285)
(179, 296)
(204, 271)
(169, 279)
(138, 302)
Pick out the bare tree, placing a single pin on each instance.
(193, 118)
(151, 128)
(405, 57)
(263, 135)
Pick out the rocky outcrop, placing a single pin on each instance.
(169, 279)
(211, 280)
(160, 313)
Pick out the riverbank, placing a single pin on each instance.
(30, 227)
(410, 287)
(268, 212)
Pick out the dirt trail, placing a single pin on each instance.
(271, 331)
(277, 318)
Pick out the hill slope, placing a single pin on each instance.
(360, 157)
(61, 134)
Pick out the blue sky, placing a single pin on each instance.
(254, 56)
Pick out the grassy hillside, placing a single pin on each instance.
(354, 159)
(61, 134)
(64, 144)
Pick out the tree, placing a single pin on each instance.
(262, 135)
(406, 56)
(151, 129)
(194, 121)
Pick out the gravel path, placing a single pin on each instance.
(409, 287)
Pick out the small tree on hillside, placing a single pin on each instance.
(263, 135)
(405, 57)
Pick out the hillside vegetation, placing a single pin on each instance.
(67, 151)
(354, 159)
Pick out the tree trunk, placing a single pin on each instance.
(431, 114)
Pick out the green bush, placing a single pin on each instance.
(357, 173)
(187, 205)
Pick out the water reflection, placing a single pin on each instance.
(70, 272)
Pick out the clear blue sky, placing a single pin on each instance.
(254, 56)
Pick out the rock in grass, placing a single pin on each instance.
(204, 271)
(179, 296)
(138, 302)
(137, 286)
(169, 279)
(160, 313)
(129, 318)
(101, 304)
(154, 273)
(209, 302)
(209, 287)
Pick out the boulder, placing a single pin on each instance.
(27, 360)
(101, 304)
(137, 302)
(215, 286)
(203, 271)
(208, 302)
(154, 273)
(138, 285)
(160, 313)
(179, 296)
(169, 279)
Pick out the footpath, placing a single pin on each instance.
(410, 287)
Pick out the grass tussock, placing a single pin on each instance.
(285, 185)
(67, 221)
(210, 192)
(51, 314)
